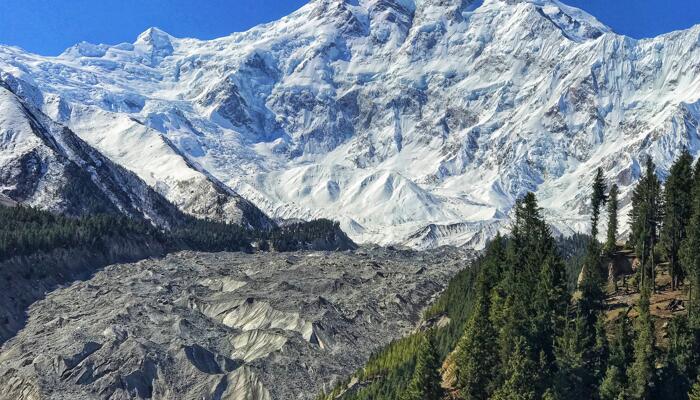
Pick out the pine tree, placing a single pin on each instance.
(476, 354)
(592, 337)
(689, 254)
(677, 202)
(682, 360)
(573, 375)
(613, 384)
(621, 348)
(581, 358)
(551, 301)
(644, 222)
(531, 300)
(592, 296)
(600, 350)
(520, 382)
(597, 199)
(611, 238)
(642, 371)
(425, 384)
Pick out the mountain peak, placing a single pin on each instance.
(155, 42)
(155, 37)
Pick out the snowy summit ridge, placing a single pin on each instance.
(417, 122)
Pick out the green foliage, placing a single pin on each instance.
(321, 233)
(695, 391)
(574, 251)
(613, 205)
(599, 352)
(598, 198)
(581, 358)
(397, 354)
(621, 349)
(475, 356)
(644, 221)
(426, 381)
(387, 372)
(574, 375)
(614, 384)
(677, 200)
(681, 360)
(520, 373)
(515, 334)
(206, 235)
(689, 254)
(592, 296)
(25, 231)
(641, 375)
(517, 285)
(531, 301)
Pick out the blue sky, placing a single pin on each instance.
(49, 26)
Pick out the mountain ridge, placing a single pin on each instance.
(387, 116)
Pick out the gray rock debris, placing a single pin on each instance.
(221, 326)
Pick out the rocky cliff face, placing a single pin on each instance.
(220, 326)
(403, 119)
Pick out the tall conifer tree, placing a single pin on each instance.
(641, 374)
(689, 254)
(598, 198)
(425, 384)
(521, 375)
(476, 355)
(677, 202)
(531, 301)
(614, 383)
(611, 237)
(644, 221)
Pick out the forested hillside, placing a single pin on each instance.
(533, 319)
(25, 231)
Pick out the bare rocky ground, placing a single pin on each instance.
(221, 325)
(664, 304)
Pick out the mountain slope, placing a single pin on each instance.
(390, 116)
(45, 164)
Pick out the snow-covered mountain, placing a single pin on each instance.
(410, 121)
(44, 164)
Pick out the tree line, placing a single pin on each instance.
(25, 231)
(523, 334)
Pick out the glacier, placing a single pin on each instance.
(414, 122)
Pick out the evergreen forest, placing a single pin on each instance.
(586, 317)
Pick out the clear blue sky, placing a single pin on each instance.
(49, 26)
